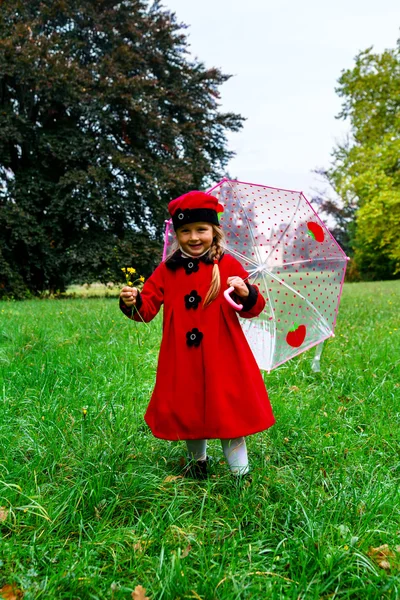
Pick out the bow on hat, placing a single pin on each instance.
(194, 207)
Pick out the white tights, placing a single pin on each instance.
(235, 452)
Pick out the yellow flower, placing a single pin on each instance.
(123, 269)
(131, 270)
(141, 278)
(130, 283)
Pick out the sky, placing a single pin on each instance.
(285, 57)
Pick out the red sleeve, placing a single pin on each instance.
(255, 302)
(150, 298)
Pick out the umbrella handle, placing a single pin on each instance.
(230, 300)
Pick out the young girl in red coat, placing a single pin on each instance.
(208, 384)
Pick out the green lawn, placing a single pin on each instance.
(88, 513)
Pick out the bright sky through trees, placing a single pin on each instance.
(286, 57)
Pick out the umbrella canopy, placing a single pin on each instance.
(293, 259)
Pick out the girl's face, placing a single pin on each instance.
(195, 238)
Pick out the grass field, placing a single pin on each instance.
(88, 510)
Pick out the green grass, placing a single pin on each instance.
(90, 290)
(90, 514)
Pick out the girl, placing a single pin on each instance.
(208, 384)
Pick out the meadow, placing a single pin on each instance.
(92, 505)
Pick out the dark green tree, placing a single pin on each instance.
(104, 118)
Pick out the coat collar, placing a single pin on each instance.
(177, 260)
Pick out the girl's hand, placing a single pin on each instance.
(128, 295)
(241, 288)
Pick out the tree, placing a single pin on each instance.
(343, 216)
(103, 119)
(366, 169)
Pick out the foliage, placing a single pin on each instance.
(366, 168)
(343, 228)
(103, 119)
(94, 505)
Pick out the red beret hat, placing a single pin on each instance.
(194, 207)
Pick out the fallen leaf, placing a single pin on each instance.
(9, 592)
(294, 388)
(3, 514)
(384, 564)
(381, 551)
(380, 556)
(139, 593)
(172, 477)
(344, 399)
(186, 551)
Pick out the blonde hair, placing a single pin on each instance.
(215, 252)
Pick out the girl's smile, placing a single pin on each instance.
(195, 238)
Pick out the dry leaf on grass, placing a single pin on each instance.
(139, 593)
(172, 478)
(9, 592)
(186, 551)
(380, 556)
(294, 388)
(3, 514)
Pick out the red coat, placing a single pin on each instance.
(212, 388)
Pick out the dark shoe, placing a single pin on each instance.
(198, 469)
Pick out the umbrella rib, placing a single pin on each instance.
(271, 321)
(306, 260)
(250, 230)
(272, 337)
(271, 306)
(285, 230)
(242, 256)
(249, 226)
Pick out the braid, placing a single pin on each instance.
(215, 253)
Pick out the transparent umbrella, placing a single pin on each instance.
(294, 260)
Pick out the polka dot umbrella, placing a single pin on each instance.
(293, 259)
